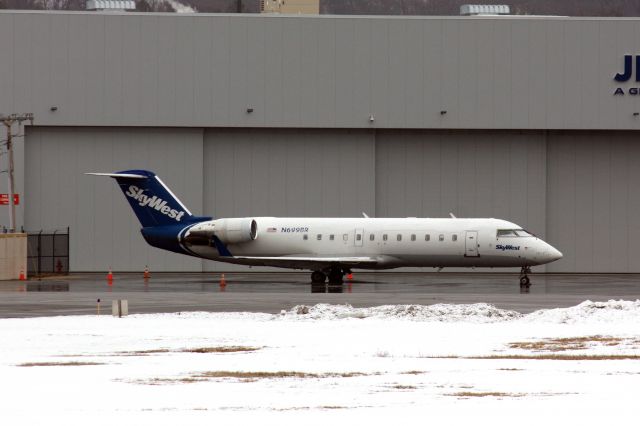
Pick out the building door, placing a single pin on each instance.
(358, 237)
(471, 244)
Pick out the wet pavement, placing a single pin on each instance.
(272, 292)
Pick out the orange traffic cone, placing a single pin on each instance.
(22, 277)
(110, 277)
(350, 276)
(146, 273)
(223, 282)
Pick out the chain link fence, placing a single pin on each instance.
(48, 252)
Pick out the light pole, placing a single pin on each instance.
(8, 121)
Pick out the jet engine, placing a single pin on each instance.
(228, 231)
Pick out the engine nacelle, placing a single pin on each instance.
(228, 231)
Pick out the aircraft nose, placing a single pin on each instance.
(551, 254)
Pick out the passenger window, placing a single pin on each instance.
(319, 237)
(413, 237)
(441, 237)
(427, 237)
(399, 237)
(384, 237)
(305, 237)
(358, 237)
(372, 237)
(331, 237)
(454, 237)
(345, 237)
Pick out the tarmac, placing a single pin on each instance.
(86, 294)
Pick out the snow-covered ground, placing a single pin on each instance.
(326, 363)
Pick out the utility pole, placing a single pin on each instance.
(8, 121)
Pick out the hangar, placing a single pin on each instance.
(531, 119)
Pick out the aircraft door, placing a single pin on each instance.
(471, 244)
(358, 237)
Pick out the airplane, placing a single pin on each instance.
(330, 247)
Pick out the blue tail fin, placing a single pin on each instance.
(151, 200)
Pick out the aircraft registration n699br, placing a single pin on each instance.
(330, 247)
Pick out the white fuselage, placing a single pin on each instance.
(394, 242)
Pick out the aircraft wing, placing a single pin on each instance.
(312, 263)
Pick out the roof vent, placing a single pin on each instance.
(111, 5)
(484, 9)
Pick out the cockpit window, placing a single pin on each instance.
(513, 233)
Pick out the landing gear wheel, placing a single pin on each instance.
(525, 282)
(335, 276)
(318, 277)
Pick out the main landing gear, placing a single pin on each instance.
(318, 277)
(335, 275)
(525, 282)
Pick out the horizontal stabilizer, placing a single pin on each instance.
(119, 175)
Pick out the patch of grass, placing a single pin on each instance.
(467, 394)
(510, 369)
(244, 376)
(168, 381)
(321, 407)
(144, 352)
(547, 356)
(404, 387)
(58, 364)
(415, 372)
(566, 343)
(271, 375)
(221, 349)
(561, 357)
(203, 350)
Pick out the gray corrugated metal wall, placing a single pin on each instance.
(593, 193)
(104, 230)
(472, 174)
(317, 71)
(576, 189)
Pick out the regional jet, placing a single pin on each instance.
(330, 247)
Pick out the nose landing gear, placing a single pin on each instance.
(525, 282)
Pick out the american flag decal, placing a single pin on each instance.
(271, 229)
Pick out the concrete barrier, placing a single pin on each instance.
(120, 308)
(13, 256)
